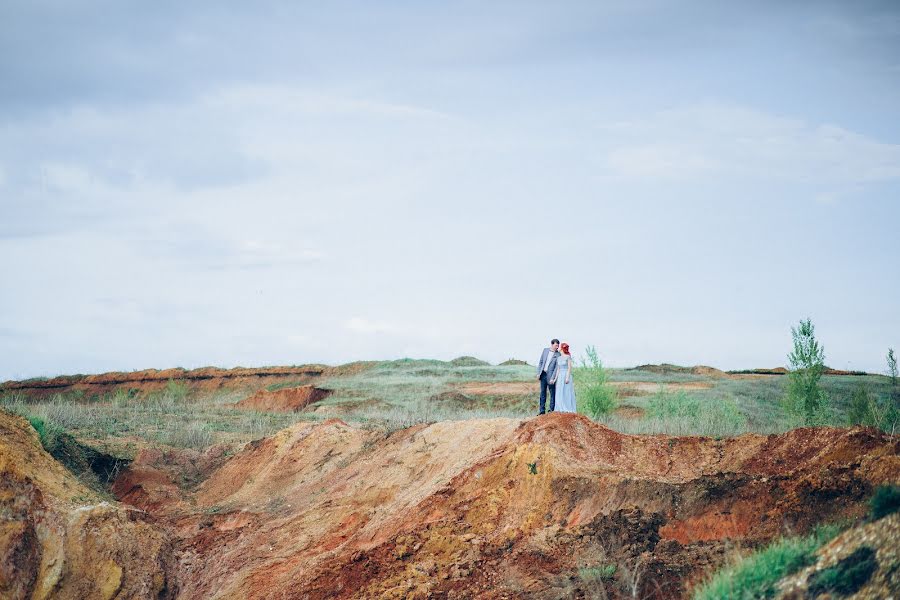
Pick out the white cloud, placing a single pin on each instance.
(735, 142)
(367, 326)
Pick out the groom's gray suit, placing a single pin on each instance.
(548, 358)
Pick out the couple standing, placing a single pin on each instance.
(555, 374)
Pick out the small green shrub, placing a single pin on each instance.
(756, 575)
(48, 432)
(884, 501)
(859, 412)
(595, 396)
(272, 387)
(175, 390)
(600, 572)
(846, 577)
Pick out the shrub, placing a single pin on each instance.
(196, 435)
(597, 573)
(756, 575)
(668, 405)
(892, 367)
(176, 391)
(807, 363)
(48, 432)
(595, 396)
(860, 411)
(884, 501)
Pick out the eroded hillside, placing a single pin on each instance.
(488, 508)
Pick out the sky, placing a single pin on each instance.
(275, 183)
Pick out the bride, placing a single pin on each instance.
(565, 385)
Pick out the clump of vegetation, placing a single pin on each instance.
(885, 501)
(665, 405)
(805, 397)
(272, 387)
(846, 577)
(892, 367)
(601, 572)
(194, 435)
(756, 575)
(860, 411)
(469, 361)
(595, 396)
(47, 432)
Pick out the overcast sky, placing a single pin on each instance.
(189, 183)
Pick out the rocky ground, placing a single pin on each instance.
(547, 507)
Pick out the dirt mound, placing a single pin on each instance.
(773, 371)
(291, 399)
(469, 361)
(513, 362)
(454, 400)
(506, 508)
(153, 380)
(59, 539)
(666, 368)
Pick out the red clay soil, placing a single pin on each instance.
(61, 540)
(285, 399)
(205, 379)
(500, 508)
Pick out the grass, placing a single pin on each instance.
(170, 417)
(395, 394)
(756, 575)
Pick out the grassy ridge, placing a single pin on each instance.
(400, 393)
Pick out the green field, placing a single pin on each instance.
(395, 394)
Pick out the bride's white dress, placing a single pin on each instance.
(565, 392)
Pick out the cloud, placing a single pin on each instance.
(367, 326)
(714, 140)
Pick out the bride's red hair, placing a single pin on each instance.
(564, 347)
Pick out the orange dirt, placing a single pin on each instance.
(482, 508)
(499, 508)
(205, 379)
(59, 539)
(285, 399)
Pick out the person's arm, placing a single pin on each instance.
(568, 369)
(540, 365)
(551, 377)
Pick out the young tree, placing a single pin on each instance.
(892, 366)
(807, 363)
(596, 397)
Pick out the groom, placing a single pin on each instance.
(545, 370)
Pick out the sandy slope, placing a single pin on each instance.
(501, 508)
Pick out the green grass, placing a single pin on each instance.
(394, 394)
(756, 575)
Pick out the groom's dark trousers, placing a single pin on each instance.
(544, 386)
